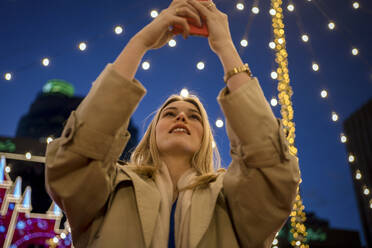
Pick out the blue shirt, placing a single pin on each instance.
(171, 240)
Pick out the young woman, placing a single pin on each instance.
(171, 192)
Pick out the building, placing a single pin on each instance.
(358, 134)
(319, 235)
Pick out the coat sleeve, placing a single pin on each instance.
(261, 182)
(80, 165)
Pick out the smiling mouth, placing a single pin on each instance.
(180, 130)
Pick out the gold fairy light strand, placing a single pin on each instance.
(298, 217)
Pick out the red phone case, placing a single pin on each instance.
(194, 28)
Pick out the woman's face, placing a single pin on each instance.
(179, 129)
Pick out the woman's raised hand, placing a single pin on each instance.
(217, 23)
(157, 33)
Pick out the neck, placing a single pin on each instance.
(177, 166)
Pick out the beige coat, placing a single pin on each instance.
(108, 205)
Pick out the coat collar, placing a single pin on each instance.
(202, 208)
(148, 202)
(203, 203)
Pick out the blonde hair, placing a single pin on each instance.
(145, 158)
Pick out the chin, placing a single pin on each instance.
(176, 147)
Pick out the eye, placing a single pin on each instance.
(196, 117)
(169, 113)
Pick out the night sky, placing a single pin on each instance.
(32, 30)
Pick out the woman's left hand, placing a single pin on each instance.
(217, 23)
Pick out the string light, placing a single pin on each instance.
(172, 43)
(184, 93)
(323, 93)
(8, 76)
(118, 30)
(154, 14)
(343, 138)
(331, 25)
(240, 6)
(334, 117)
(219, 123)
(45, 61)
(356, 5)
(255, 10)
(275, 242)
(274, 75)
(28, 155)
(305, 38)
(315, 67)
(272, 45)
(49, 139)
(55, 240)
(272, 12)
(82, 46)
(290, 7)
(146, 65)
(355, 51)
(365, 190)
(274, 102)
(298, 229)
(351, 158)
(244, 43)
(358, 175)
(7, 169)
(200, 65)
(63, 235)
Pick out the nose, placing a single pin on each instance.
(181, 116)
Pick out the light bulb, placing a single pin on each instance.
(184, 93)
(244, 43)
(154, 14)
(255, 10)
(219, 123)
(145, 65)
(305, 38)
(200, 65)
(324, 93)
(172, 43)
(240, 6)
(118, 30)
(331, 25)
(8, 76)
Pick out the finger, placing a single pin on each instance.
(181, 21)
(201, 6)
(189, 11)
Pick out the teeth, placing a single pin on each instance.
(179, 130)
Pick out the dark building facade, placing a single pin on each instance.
(320, 235)
(46, 118)
(50, 110)
(358, 130)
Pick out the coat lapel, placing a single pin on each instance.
(203, 203)
(148, 202)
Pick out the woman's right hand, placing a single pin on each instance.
(157, 33)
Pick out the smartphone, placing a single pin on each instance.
(194, 27)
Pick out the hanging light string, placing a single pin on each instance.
(345, 32)
(298, 217)
(315, 64)
(249, 24)
(357, 174)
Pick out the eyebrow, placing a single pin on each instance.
(189, 109)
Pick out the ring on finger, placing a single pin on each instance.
(210, 5)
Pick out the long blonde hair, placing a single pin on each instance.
(207, 162)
